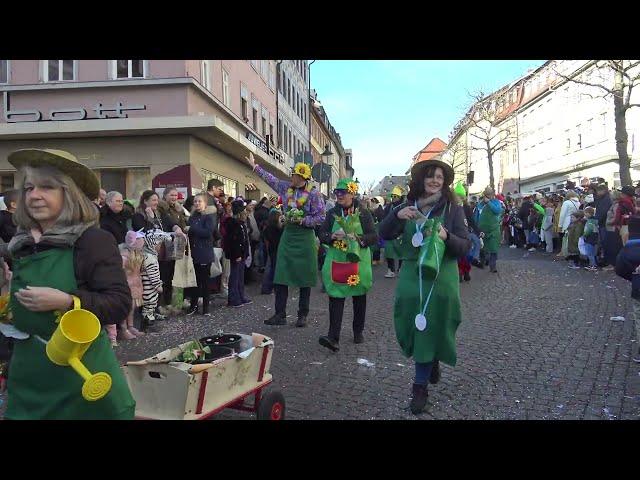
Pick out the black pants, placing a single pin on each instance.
(166, 275)
(282, 293)
(376, 255)
(336, 311)
(391, 264)
(202, 290)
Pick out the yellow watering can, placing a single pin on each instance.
(77, 329)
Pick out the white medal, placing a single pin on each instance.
(417, 239)
(421, 322)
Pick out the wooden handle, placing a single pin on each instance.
(200, 368)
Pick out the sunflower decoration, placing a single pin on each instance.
(353, 280)
(340, 245)
(5, 311)
(303, 170)
(352, 188)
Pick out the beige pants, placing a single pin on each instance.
(226, 270)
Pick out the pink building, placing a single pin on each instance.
(143, 123)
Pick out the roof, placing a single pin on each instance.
(433, 148)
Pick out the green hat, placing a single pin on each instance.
(460, 190)
(347, 184)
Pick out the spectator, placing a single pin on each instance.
(574, 232)
(7, 226)
(114, 218)
(547, 225)
(626, 208)
(489, 224)
(590, 238)
(612, 242)
(237, 250)
(569, 206)
(272, 234)
(201, 240)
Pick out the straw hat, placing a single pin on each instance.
(67, 163)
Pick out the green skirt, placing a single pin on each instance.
(297, 260)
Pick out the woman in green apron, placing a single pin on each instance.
(489, 225)
(393, 248)
(427, 308)
(58, 254)
(297, 259)
(347, 233)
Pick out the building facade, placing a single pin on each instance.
(293, 110)
(147, 123)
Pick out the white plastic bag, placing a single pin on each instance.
(216, 266)
(581, 247)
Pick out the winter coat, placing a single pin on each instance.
(7, 227)
(489, 224)
(201, 238)
(115, 224)
(369, 237)
(236, 243)
(628, 259)
(160, 221)
(523, 214)
(457, 242)
(568, 207)
(575, 231)
(378, 214)
(102, 284)
(272, 235)
(254, 232)
(611, 214)
(468, 213)
(626, 206)
(261, 214)
(602, 205)
(175, 214)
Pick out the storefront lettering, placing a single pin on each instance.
(265, 147)
(66, 114)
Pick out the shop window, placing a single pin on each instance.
(111, 180)
(6, 182)
(230, 185)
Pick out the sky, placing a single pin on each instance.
(388, 110)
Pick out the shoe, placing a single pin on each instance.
(389, 274)
(477, 264)
(247, 302)
(435, 373)
(608, 268)
(192, 310)
(358, 338)
(418, 398)
(591, 268)
(513, 246)
(235, 305)
(276, 319)
(467, 277)
(302, 321)
(573, 266)
(461, 279)
(163, 310)
(159, 316)
(495, 270)
(125, 334)
(329, 343)
(135, 331)
(532, 249)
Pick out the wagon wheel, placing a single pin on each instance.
(271, 407)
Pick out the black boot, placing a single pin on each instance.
(419, 398)
(467, 277)
(276, 319)
(435, 372)
(329, 343)
(358, 337)
(302, 321)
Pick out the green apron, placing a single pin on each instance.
(40, 389)
(438, 340)
(393, 249)
(297, 259)
(489, 224)
(337, 270)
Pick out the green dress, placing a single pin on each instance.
(40, 389)
(489, 224)
(438, 340)
(337, 270)
(297, 260)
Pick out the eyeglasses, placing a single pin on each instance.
(340, 192)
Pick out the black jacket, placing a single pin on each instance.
(115, 224)
(7, 227)
(602, 206)
(378, 214)
(201, 238)
(523, 214)
(272, 235)
(369, 235)
(236, 241)
(468, 213)
(102, 284)
(163, 222)
(261, 214)
(457, 242)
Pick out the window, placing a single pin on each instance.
(6, 182)
(255, 106)
(290, 143)
(205, 74)
(603, 126)
(579, 145)
(226, 97)
(264, 70)
(4, 71)
(254, 64)
(265, 122)
(272, 76)
(244, 102)
(59, 70)
(289, 91)
(284, 83)
(271, 133)
(568, 143)
(230, 186)
(279, 133)
(285, 136)
(112, 180)
(129, 69)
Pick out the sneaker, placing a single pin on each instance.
(192, 310)
(329, 343)
(276, 319)
(389, 274)
(418, 398)
(532, 249)
(591, 268)
(608, 268)
(573, 266)
(513, 246)
(358, 338)
(235, 305)
(247, 302)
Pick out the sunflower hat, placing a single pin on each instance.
(303, 170)
(349, 185)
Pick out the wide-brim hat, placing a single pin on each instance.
(446, 169)
(67, 163)
(628, 190)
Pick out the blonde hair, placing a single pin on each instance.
(77, 208)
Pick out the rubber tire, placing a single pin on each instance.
(271, 407)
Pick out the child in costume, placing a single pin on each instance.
(151, 281)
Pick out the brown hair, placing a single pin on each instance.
(416, 186)
(146, 195)
(77, 209)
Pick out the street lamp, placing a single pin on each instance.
(326, 155)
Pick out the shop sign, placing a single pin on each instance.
(66, 114)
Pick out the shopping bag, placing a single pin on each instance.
(581, 247)
(216, 266)
(431, 250)
(184, 275)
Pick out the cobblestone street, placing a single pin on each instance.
(536, 342)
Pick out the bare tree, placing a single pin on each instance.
(456, 156)
(483, 125)
(615, 79)
(367, 187)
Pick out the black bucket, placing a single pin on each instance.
(217, 351)
(230, 340)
